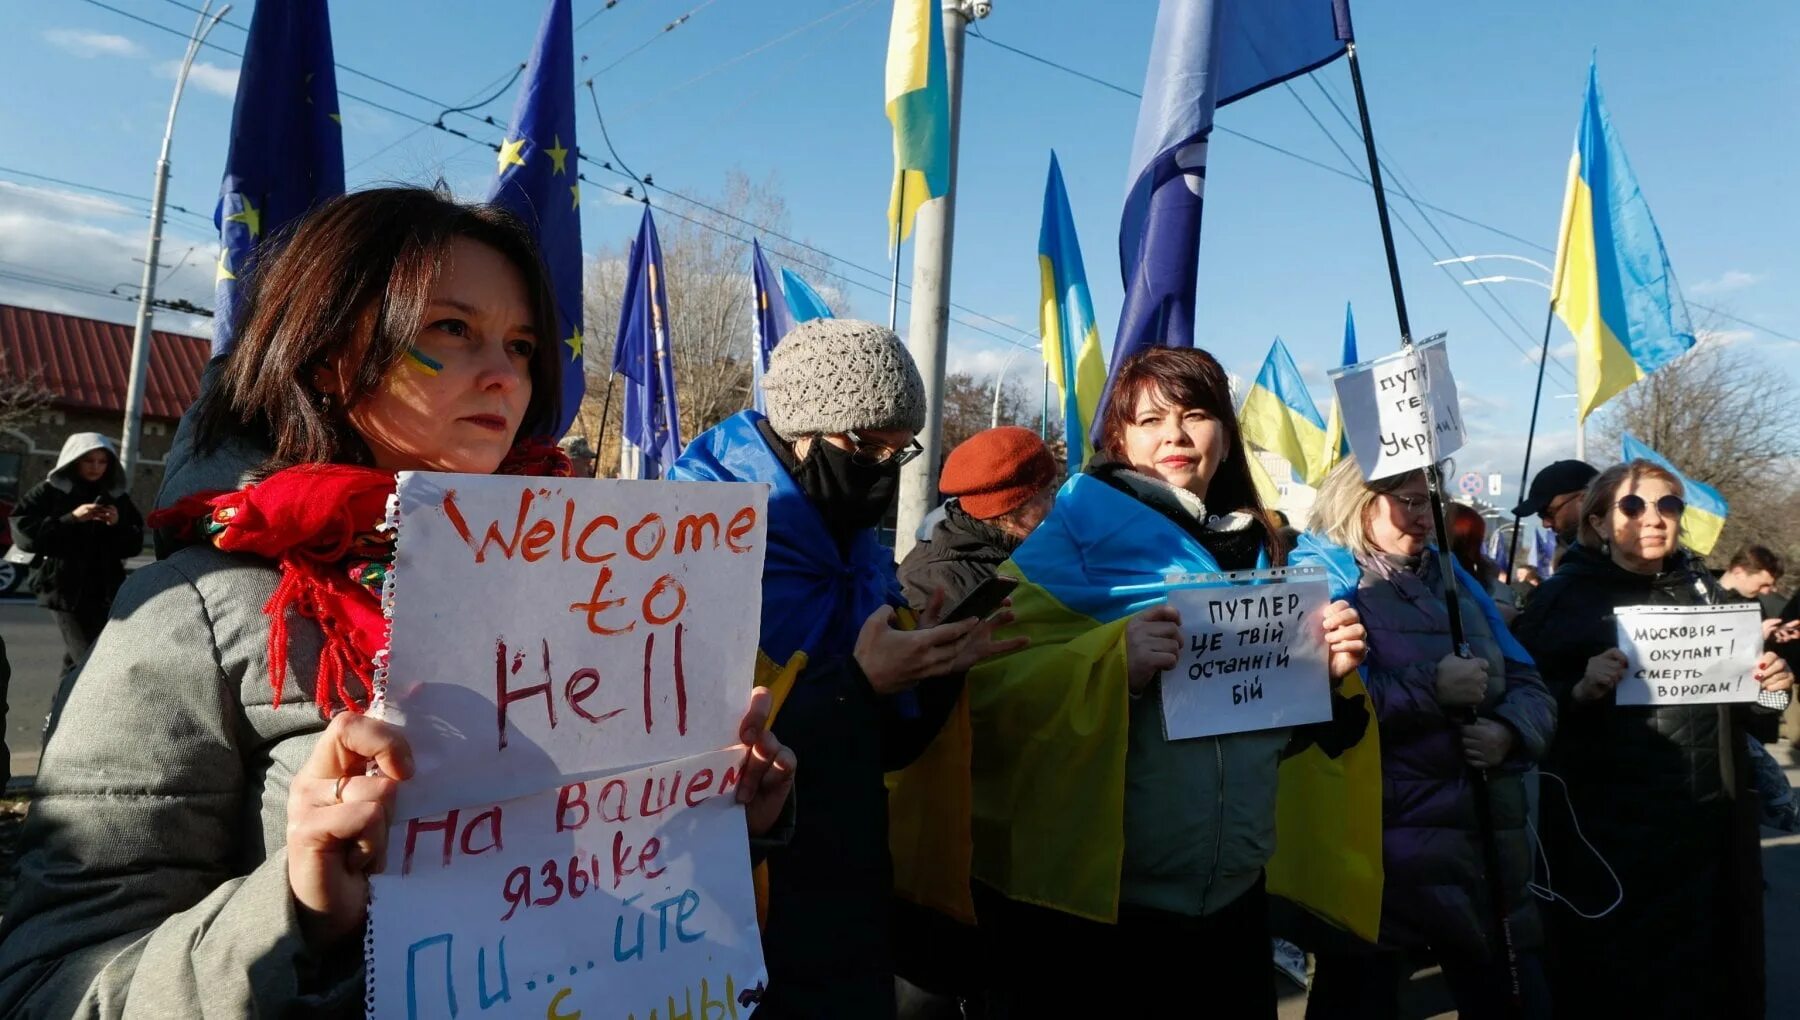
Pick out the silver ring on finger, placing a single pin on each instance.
(337, 793)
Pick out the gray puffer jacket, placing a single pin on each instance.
(153, 880)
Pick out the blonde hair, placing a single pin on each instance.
(1603, 493)
(1346, 502)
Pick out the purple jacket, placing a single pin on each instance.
(1435, 892)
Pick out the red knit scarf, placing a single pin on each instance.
(322, 524)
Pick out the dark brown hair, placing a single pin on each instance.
(1187, 377)
(1754, 559)
(354, 278)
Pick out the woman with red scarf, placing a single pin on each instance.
(203, 826)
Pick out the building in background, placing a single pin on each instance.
(84, 365)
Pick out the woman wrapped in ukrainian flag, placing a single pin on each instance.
(1118, 872)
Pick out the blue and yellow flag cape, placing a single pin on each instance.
(1613, 286)
(815, 598)
(1048, 737)
(1704, 518)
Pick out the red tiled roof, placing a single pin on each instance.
(87, 362)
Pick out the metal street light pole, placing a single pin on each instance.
(1477, 258)
(140, 338)
(999, 383)
(1482, 280)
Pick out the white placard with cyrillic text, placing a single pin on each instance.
(1401, 411)
(1688, 655)
(1252, 655)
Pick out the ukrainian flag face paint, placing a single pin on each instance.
(422, 363)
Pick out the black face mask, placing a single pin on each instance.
(850, 496)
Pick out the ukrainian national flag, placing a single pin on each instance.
(918, 104)
(1066, 318)
(536, 180)
(1048, 732)
(286, 152)
(1613, 286)
(1337, 444)
(1279, 415)
(803, 302)
(1706, 510)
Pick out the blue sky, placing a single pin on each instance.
(1475, 104)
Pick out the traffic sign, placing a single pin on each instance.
(1470, 484)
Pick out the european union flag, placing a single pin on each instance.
(1203, 55)
(772, 319)
(537, 182)
(286, 153)
(804, 302)
(652, 432)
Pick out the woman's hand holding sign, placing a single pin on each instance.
(768, 776)
(1345, 639)
(1773, 673)
(338, 822)
(1604, 671)
(1152, 644)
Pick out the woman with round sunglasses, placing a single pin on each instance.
(1648, 820)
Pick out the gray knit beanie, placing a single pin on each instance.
(835, 375)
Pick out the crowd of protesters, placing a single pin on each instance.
(215, 862)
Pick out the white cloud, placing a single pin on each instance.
(91, 44)
(1561, 352)
(1731, 279)
(58, 204)
(63, 237)
(221, 81)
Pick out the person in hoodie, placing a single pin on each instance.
(204, 819)
(858, 692)
(81, 525)
(1647, 820)
(1443, 716)
(1120, 872)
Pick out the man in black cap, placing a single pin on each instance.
(1555, 498)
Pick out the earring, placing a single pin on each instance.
(324, 403)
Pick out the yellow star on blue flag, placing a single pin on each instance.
(531, 188)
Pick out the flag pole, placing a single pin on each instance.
(1537, 397)
(1044, 418)
(605, 413)
(894, 286)
(1453, 610)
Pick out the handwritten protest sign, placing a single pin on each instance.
(625, 897)
(1401, 412)
(1253, 655)
(1688, 655)
(547, 629)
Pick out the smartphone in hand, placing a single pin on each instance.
(983, 600)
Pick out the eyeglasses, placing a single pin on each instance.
(1414, 505)
(1555, 506)
(1634, 505)
(869, 454)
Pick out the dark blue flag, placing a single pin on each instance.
(286, 153)
(1203, 55)
(651, 439)
(537, 182)
(772, 318)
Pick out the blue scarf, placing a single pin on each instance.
(815, 598)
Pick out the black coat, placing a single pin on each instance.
(80, 563)
(961, 553)
(1663, 795)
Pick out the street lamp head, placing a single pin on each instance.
(979, 9)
